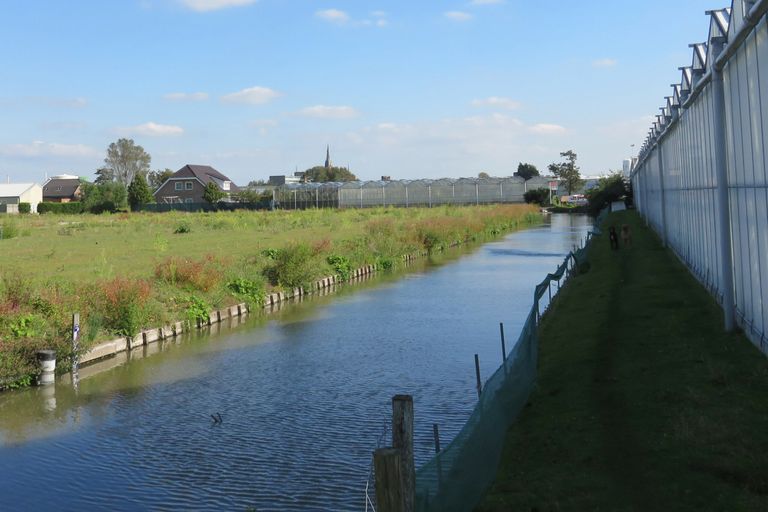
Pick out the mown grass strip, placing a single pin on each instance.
(643, 403)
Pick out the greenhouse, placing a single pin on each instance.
(368, 194)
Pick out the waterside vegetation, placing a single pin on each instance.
(125, 272)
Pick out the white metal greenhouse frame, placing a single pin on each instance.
(701, 178)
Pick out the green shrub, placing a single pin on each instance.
(270, 253)
(8, 230)
(385, 263)
(25, 208)
(341, 265)
(252, 291)
(182, 227)
(23, 327)
(60, 208)
(538, 196)
(612, 188)
(197, 310)
(293, 266)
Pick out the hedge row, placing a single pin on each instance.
(61, 208)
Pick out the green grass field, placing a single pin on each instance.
(643, 403)
(125, 272)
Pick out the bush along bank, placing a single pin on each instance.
(38, 316)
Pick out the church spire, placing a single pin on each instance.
(328, 156)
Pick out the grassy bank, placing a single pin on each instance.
(129, 271)
(642, 402)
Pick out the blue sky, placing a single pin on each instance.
(410, 89)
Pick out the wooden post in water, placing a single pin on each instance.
(75, 348)
(477, 374)
(402, 439)
(389, 481)
(503, 345)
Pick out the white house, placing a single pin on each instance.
(11, 194)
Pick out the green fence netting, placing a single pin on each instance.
(456, 478)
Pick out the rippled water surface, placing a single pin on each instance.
(304, 394)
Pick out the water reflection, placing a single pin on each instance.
(303, 392)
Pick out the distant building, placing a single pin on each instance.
(282, 179)
(62, 189)
(328, 156)
(187, 185)
(11, 194)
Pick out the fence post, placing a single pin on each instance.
(503, 345)
(389, 481)
(723, 217)
(477, 374)
(402, 439)
(436, 435)
(75, 348)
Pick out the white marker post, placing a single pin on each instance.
(75, 347)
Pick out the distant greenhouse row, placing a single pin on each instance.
(367, 194)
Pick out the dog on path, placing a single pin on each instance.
(613, 238)
(626, 235)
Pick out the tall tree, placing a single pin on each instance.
(158, 177)
(126, 160)
(139, 193)
(104, 175)
(321, 174)
(567, 171)
(212, 193)
(483, 175)
(104, 197)
(526, 171)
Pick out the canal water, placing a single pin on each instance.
(304, 394)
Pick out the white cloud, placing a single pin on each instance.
(547, 129)
(330, 112)
(497, 102)
(39, 148)
(214, 5)
(186, 96)
(457, 15)
(251, 96)
(333, 16)
(151, 129)
(604, 63)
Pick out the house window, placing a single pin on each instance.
(188, 200)
(188, 185)
(179, 185)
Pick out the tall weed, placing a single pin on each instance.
(203, 274)
(122, 304)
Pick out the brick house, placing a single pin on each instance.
(62, 189)
(188, 184)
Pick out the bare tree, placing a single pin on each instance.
(126, 159)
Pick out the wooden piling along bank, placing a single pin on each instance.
(150, 336)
